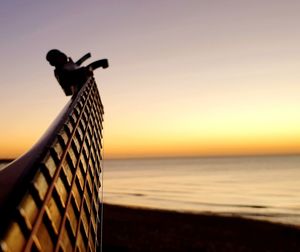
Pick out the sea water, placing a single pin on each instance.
(254, 187)
(265, 187)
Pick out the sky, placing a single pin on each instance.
(186, 78)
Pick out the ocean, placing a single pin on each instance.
(264, 187)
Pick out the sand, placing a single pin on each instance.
(137, 229)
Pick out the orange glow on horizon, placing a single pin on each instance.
(203, 147)
(140, 146)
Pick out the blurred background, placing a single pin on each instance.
(186, 78)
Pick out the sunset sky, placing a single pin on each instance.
(186, 78)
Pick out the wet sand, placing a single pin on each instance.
(137, 229)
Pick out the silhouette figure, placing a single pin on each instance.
(70, 75)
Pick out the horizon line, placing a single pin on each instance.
(205, 156)
(4, 160)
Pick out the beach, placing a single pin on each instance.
(142, 229)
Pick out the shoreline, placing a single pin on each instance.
(143, 229)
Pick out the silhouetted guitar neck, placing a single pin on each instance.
(49, 197)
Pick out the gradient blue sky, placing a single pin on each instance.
(186, 77)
